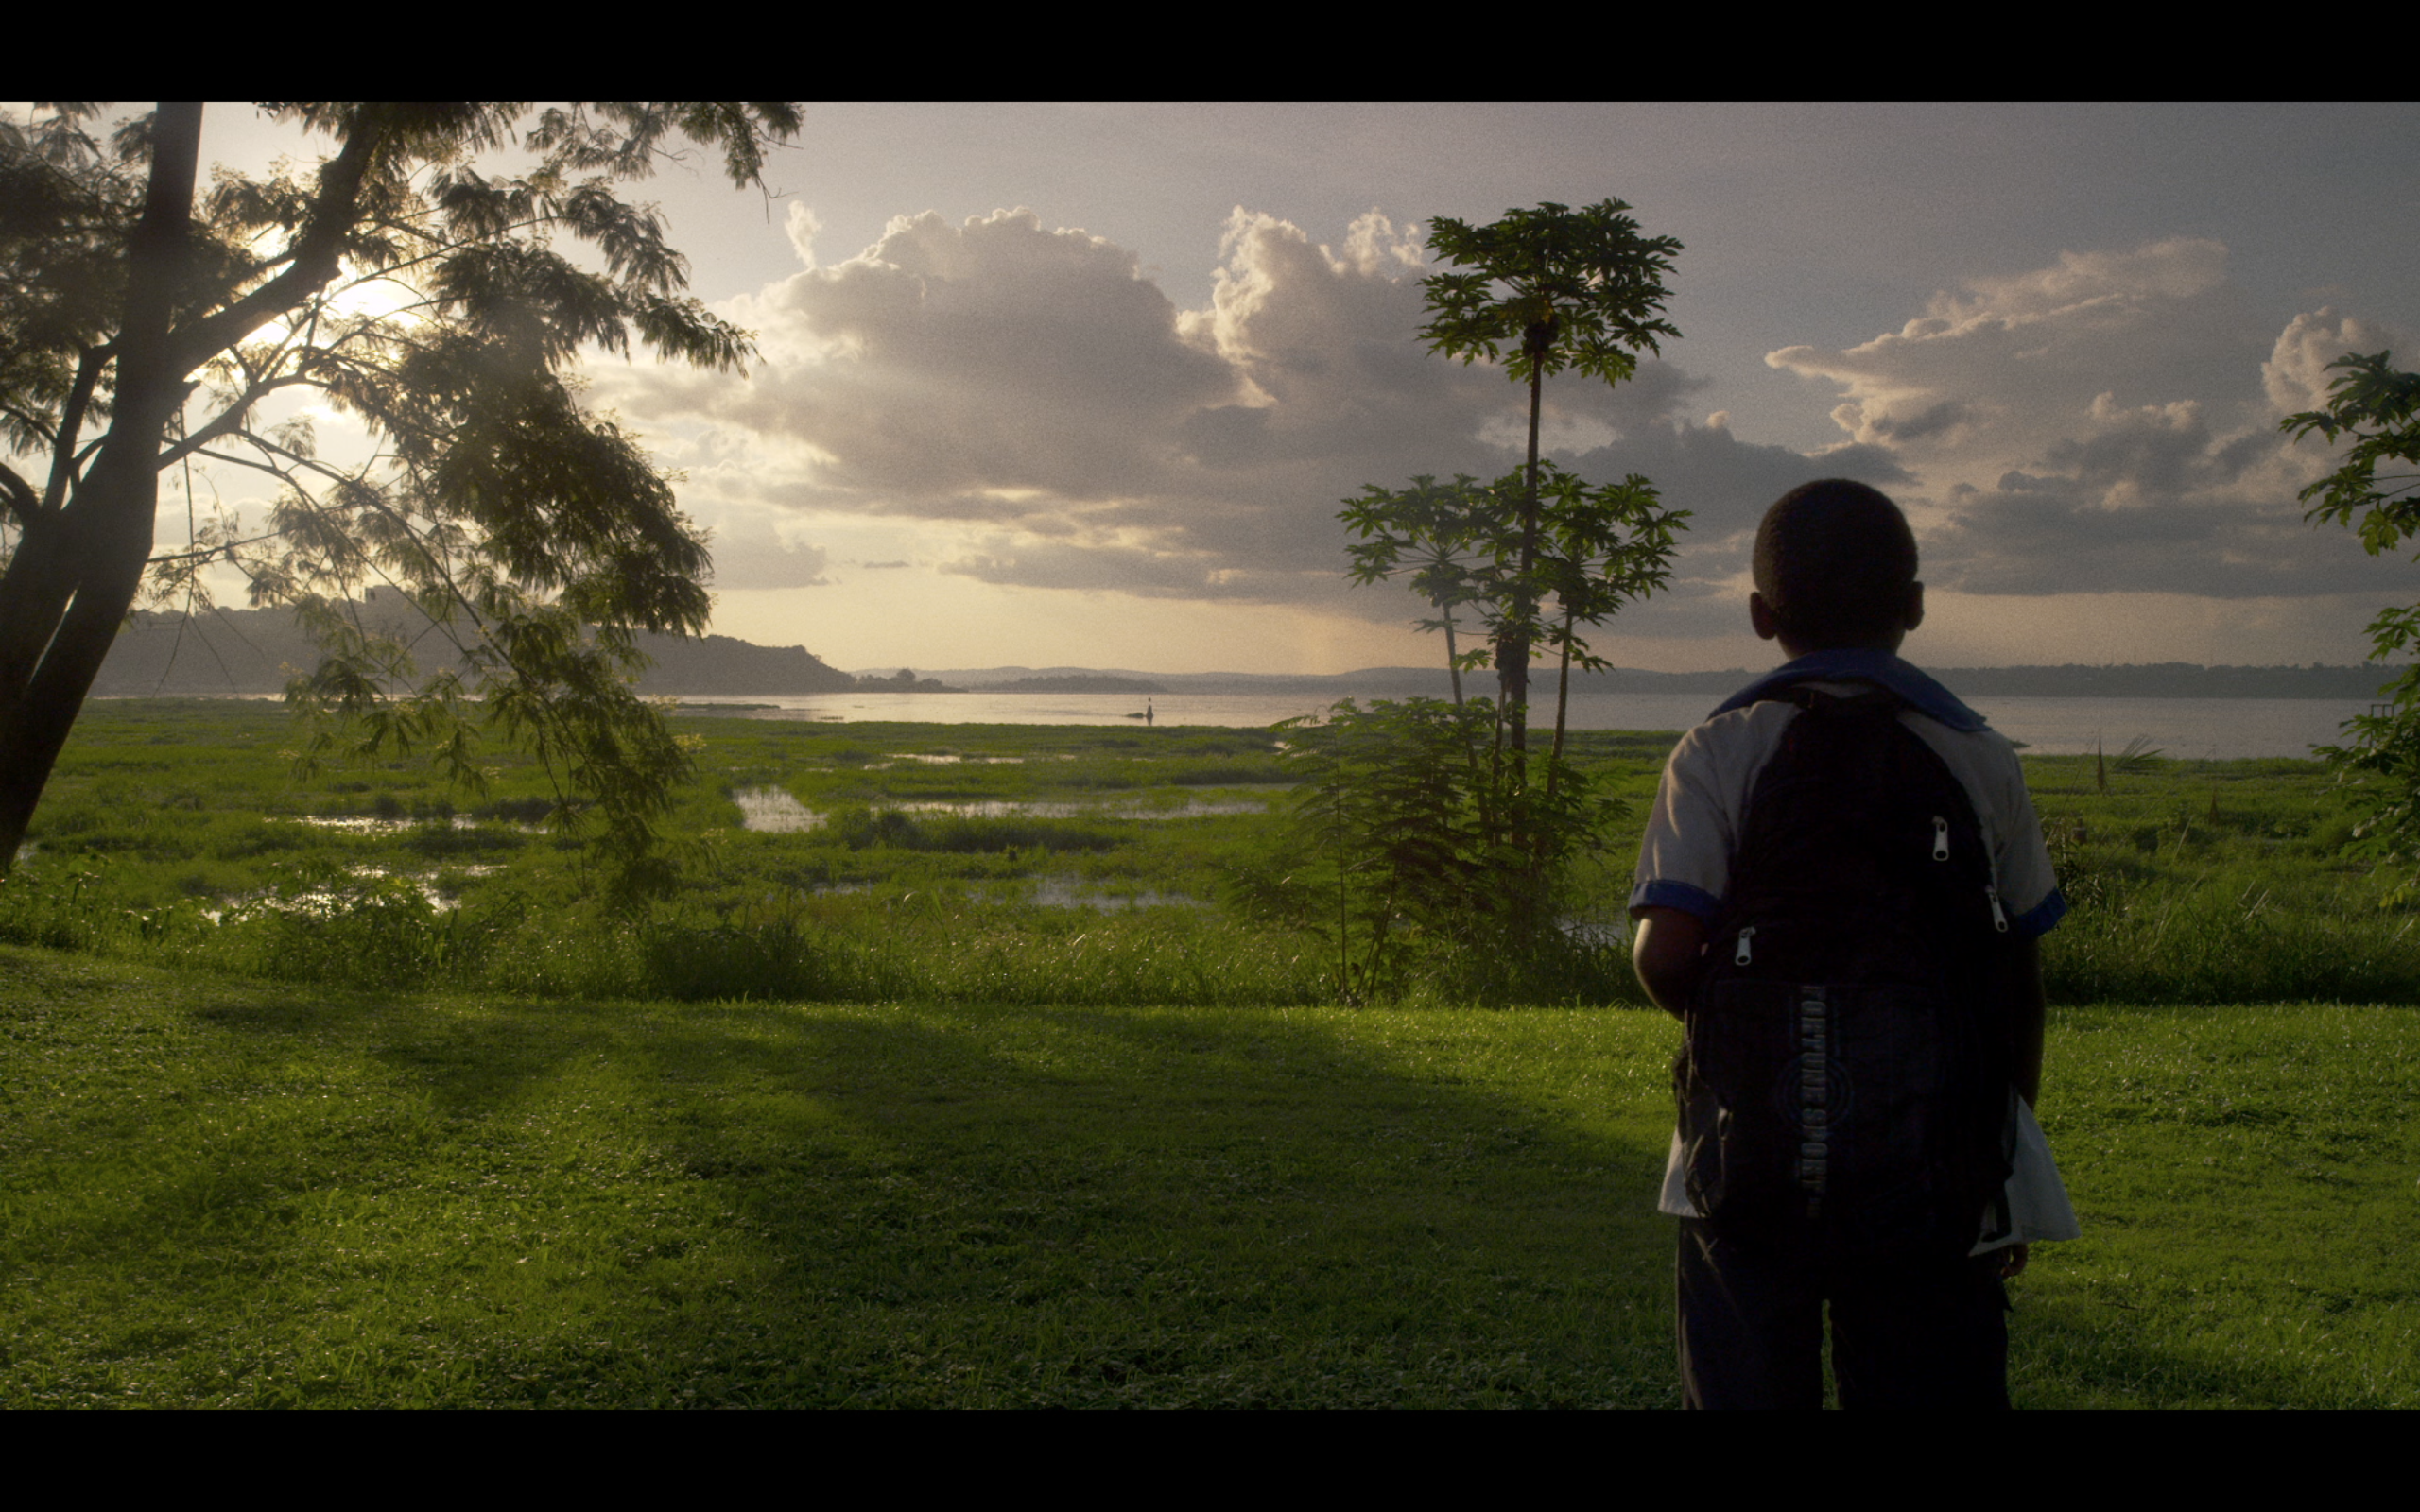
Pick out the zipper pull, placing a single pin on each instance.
(1940, 838)
(1740, 957)
(1999, 918)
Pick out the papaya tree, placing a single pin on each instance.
(1541, 291)
(440, 305)
(1534, 557)
(1467, 545)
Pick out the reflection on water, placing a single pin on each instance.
(2219, 728)
(1066, 892)
(2188, 728)
(368, 824)
(1187, 808)
(325, 905)
(770, 811)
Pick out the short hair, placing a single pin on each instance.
(1835, 563)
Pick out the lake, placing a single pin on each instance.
(2204, 727)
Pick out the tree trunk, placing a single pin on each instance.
(1562, 703)
(79, 565)
(1513, 647)
(1453, 655)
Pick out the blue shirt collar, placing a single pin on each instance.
(1880, 668)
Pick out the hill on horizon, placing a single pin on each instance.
(242, 651)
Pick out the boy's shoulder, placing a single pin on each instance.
(1701, 814)
(1881, 669)
(1727, 750)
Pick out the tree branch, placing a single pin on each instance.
(231, 421)
(18, 495)
(316, 258)
(71, 422)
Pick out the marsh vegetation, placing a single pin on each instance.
(1022, 864)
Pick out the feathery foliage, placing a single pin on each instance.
(1423, 859)
(2378, 408)
(440, 305)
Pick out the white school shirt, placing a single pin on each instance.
(1700, 811)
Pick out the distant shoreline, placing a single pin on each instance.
(2147, 681)
(249, 653)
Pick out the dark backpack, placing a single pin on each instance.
(1846, 1076)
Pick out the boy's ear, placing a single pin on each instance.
(1760, 617)
(1915, 605)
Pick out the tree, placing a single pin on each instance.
(1536, 555)
(2380, 409)
(405, 285)
(1545, 289)
(1589, 549)
(1433, 530)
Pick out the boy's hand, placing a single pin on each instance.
(2014, 1260)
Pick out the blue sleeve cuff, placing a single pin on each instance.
(2042, 917)
(1680, 895)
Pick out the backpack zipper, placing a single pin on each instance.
(1741, 957)
(1940, 838)
(1999, 918)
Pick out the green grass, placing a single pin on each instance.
(855, 1121)
(2216, 881)
(2246, 1178)
(216, 1192)
(221, 1193)
(174, 833)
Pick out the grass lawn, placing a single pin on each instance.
(214, 1191)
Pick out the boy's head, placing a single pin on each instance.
(1836, 566)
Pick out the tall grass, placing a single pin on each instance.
(2215, 881)
(174, 834)
(2228, 938)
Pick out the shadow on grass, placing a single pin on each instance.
(923, 1207)
(267, 1195)
(220, 1192)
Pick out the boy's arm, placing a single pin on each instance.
(2030, 1015)
(1665, 951)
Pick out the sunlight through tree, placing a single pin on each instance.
(422, 295)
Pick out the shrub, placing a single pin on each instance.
(1416, 846)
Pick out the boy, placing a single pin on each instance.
(1918, 1305)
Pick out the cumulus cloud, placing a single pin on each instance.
(1987, 378)
(1032, 390)
(801, 223)
(753, 552)
(2105, 424)
(1004, 402)
(2296, 378)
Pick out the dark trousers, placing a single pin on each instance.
(1909, 1334)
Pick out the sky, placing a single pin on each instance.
(1086, 384)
